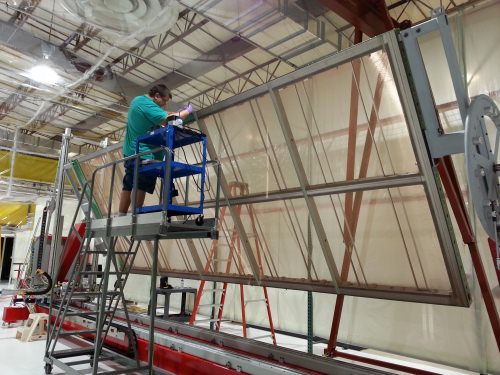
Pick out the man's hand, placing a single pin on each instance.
(183, 114)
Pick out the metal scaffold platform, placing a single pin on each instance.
(117, 240)
(151, 225)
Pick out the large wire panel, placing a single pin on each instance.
(337, 127)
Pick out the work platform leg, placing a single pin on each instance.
(152, 310)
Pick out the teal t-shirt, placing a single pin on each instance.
(143, 115)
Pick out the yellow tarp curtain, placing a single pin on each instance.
(15, 213)
(28, 167)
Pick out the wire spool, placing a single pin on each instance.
(125, 17)
(482, 161)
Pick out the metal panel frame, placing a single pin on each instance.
(429, 179)
(439, 144)
(360, 50)
(437, 203)
(433, 188)
(341, 187)
(436, 297)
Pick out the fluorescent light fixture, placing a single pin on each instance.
(44, 74)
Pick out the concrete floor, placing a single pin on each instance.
(16, 357)
(26, 358)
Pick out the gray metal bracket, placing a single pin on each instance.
(439, 143)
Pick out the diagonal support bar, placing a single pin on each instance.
(234, 214)
(301, 175)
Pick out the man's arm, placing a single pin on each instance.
(183, 114)
(163, 122)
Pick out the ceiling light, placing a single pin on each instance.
(44, 74)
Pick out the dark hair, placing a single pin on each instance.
(160, 89)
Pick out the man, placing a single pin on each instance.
(144, 114)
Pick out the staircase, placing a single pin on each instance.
(92, 328)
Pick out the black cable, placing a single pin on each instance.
(194, 130)
(37, 292)
(198, 188)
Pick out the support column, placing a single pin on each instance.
(454, 193)
(310, 312)
(58, 197)
(352, 207)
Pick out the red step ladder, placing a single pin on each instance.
(236, 189)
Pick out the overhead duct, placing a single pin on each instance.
(124, 17)
(59, 57)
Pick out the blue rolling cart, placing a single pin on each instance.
(174, 138)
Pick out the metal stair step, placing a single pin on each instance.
(210, 305)
(89, 360)
(80, 313)
(212, 290)
(73, 352)
(255, 300)
(261, 337)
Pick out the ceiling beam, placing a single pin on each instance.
(56, 110)
(369, 16)
(20, 17)
(15, 99)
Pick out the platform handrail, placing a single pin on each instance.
(90, 185)
(113, 164)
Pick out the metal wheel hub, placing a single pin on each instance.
(482, 164)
